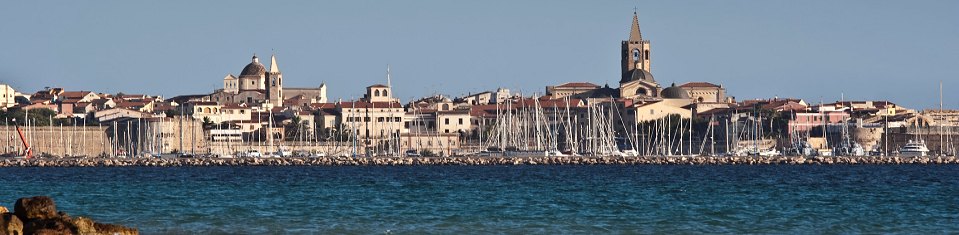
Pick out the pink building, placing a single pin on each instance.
(805, 121)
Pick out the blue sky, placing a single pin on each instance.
(814, 50)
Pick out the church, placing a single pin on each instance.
(258, 87)
(636, 80)
(637, 83)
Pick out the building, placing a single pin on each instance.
(258, 87)
(570, 89)
(636, 80)
(441, 144)
(704, 92)
(8, 96)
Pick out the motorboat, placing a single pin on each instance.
(914, 149)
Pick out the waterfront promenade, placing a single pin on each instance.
(467, 161)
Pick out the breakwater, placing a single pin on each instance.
(526, 160)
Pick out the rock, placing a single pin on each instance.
(10, 224)
(88, 226)
(114, 229)
(49, 226)
(35, 208)
(84, 225)
(3, 210)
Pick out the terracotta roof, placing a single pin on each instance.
(699, 84)
(363, 104)
(578, 84)
(456, 111)
(75, 94)
(323, 105)
(203, 103)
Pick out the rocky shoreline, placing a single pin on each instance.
(471, 161)
(39, 215)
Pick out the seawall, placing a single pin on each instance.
(477, 161)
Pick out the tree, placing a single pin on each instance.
(38, 117)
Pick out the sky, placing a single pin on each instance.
(814, 50)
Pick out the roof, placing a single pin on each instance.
(674, 92)
(75, 94)
(203, 103)
(254, 68)
(455, 111)
(578, 84)
(322, 105)
(634, 33)
(184, 98)
(364, 104)
(698, 84)
(637, 75)
(273, 66)
(377, 86)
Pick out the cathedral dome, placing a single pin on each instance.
(637, 75)
(255, 68)
(674, 92)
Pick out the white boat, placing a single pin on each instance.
(914, 149)
(251, 153)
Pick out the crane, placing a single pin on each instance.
(27, 152)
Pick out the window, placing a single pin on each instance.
(380, 119)
(397, 119)
(385, 93)
(446, 121)
(376, 93)
(461, 121)
(647, 54)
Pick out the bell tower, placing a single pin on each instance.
(635, 50)
(274, 93)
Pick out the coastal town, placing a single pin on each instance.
(254, 115)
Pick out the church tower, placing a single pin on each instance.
(635, 51)
(636, 80)
(274, 93)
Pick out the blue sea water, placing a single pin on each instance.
(503, 199)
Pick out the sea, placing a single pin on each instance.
(724, 199)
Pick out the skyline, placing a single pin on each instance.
(454, 48)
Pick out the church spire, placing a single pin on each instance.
(634, 33)
(273, 66)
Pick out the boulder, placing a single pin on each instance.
(3, 210)
(88, 226)
(10, 224)
(35, 208)
(49, 226)
(114, 229)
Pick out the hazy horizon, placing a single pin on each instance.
(815, 50)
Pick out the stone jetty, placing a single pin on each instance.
(472, 161)
(39, 215)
